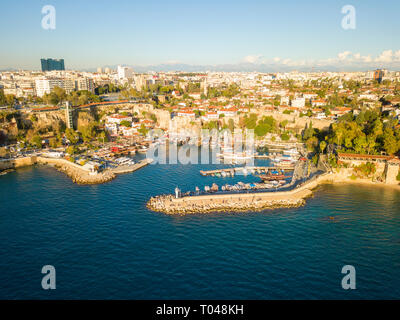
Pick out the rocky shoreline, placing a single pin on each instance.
(84, 177)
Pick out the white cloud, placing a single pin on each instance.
(385, 56)
(345, 59)
(397, 55)
(344, 55)
(253, 58)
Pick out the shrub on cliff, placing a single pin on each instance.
(365, 170)
(37, 141)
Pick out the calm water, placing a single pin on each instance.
(104, 243)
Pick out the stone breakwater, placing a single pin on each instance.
(252, 201)
(81, 177)
(78, 175)
(228, 202)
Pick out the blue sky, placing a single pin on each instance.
(92, 33)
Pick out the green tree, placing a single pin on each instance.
(2, 98)
(37, 141)
(143, 130)
(126, 123)
(390, 145)
(322, 146)
(72, 136)
(283, 124)
(72, 150)
(250, 121)
(285, 136)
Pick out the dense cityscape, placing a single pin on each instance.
(203, 151)
(75, 114)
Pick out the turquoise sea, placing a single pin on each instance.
(104, 243)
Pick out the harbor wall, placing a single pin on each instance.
(16, 163)
(253, 201)
(232, 202)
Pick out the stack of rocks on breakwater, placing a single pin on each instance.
(228, 202)
(83, 177)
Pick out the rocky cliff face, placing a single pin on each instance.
(30, 124)
(83, 118)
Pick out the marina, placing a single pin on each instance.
(244, 171)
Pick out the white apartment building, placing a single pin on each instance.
(118, 118)
(124, 72)
(85, 84)
(368, 96)
(44, 86)
(210, 116)
(299, 103)
(285, 100)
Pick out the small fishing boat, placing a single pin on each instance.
(214, 187)
(271, 177)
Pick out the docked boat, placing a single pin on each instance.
(291, 152)
(143, 149)
(238, 157)
(124, 161)
(271, 177)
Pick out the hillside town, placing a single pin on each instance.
(93, 118)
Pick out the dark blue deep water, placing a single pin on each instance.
(104, 243)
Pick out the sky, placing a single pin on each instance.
(265, 34)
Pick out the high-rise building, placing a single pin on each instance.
(378, 75)
(52, 64)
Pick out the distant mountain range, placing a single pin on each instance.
(239, 67)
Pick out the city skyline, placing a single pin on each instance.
(224, 36)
